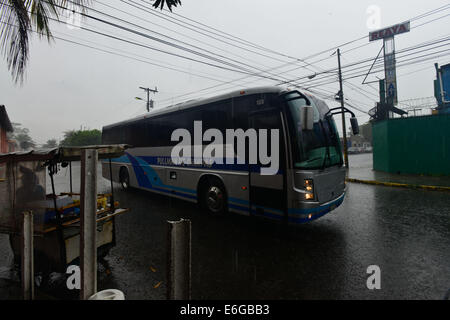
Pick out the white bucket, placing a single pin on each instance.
(109, 294)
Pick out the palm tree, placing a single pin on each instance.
(18, 18)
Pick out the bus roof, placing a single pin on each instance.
(198, 102)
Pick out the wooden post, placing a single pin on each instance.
(179, 260)
(88, 223)
(27, 256)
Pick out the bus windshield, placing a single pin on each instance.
(313, 149)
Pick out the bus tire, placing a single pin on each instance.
(124, 178)
(213, 196)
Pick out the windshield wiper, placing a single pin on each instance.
(327, 156)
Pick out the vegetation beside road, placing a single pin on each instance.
(79, 138)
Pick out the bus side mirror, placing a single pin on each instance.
(307, 116)
(355, 126)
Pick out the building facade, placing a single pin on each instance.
(6, 128)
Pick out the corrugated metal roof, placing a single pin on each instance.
(63, 153)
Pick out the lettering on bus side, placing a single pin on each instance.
(229, 150)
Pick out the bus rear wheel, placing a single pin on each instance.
(213, 197)
(124, 178)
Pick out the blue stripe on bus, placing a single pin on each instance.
(143, 179)
(274, 211)
(153, 160)
(301, 211)
(267, 214)
(236, 207)
(122, 159)
(316, 212)
(176, 193)
(148, 178)
(149, 172)
(139, 173)
(304, 220)
(263, 213)
(240, 201)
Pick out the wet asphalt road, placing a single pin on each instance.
(405, 232)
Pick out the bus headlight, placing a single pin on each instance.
(309, 186)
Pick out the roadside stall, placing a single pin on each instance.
(56, 216)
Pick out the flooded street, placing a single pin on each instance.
(405, 232)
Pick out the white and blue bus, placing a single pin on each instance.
(308, 183)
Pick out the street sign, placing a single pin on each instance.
(390, 31)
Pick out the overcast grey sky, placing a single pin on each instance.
(68, 86)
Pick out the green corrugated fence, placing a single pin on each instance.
(415, 145)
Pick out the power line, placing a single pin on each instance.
(176, 32)
(422, 24)
(434, 11)
(420, 45)
(168, 43)
(426, 14)
(131, 42)
(434, 19)
(158, 14)
(326, 77)
(417, 46)
(356, 75)
(415, 18)
(208, 29)
(314, 87)
(250, 73)
(427, 22)
(211, 55)
(196, 30)
(129, 56)
(346, 66)
(239, 68)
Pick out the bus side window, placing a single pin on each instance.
(269, 119)
(217, 116)
(139, 134)
(152, 131)
(242, 106)
(126, 134)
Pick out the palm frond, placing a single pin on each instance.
(40, 13)
(169, 3)
(14, 31)
(19, 17)
(42, 10)
(17, 20)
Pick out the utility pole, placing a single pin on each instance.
(149, 102)
(341, 97)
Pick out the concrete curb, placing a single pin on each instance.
(399, 185)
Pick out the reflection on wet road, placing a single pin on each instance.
(405, 232)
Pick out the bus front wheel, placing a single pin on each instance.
(213, 197)
(124, 178)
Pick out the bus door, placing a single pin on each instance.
(267, 192)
